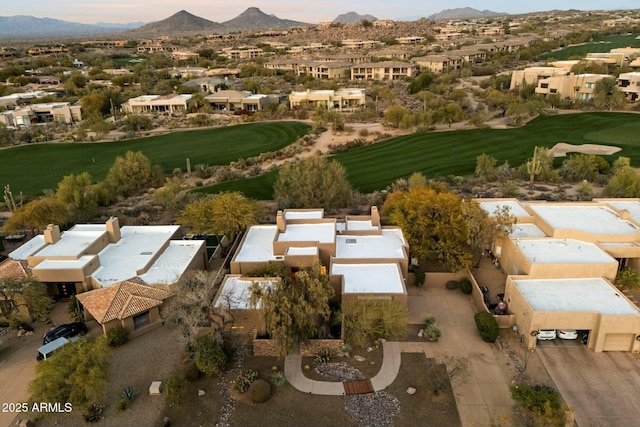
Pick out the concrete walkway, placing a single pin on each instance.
(483, 398)
(386, 375)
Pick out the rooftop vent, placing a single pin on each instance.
(351, 241)
(146, 253)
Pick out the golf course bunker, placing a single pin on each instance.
(561, 149)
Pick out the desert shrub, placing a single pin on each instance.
(176, 389)
(278, 379)
(210, 356)
(245, 379)
(93, 413)
(487, 326)
(429, 320)
(452, 284)
(72, 308)
(129, 393)
(540, 402)
(432, 332)
(259, 391)
(117, 336)
(420, 277)
(628, 278)
(465, 286)
(323, 355)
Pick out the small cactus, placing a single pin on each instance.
(129, 393)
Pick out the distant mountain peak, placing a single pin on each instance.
(352, 18)
(464, 13)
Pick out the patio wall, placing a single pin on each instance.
(266, 347)
(439, 280)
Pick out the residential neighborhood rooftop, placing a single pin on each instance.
(236, 291)
(580, 295)
(322, 232)
(389, 244)
(173, 262)
(633, 206)
(526, 230)
(515, 208)
(382, 278)
(258, 244)
(562, 251)
(594, 219)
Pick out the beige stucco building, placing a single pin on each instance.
(574, 86)
(562, 259)
(629, 83)
(363, 259)
(386, 70)
(133, 268)
(59, 112)
(341, 99)
(169, 104)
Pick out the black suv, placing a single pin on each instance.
(67, 330)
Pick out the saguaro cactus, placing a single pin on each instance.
(534, 167)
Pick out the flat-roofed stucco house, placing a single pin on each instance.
(363, 259)
(169, 104)
(574, 86)
(629, 83)
(341, 99)
(562, 259)
(386, 70)
(95, 260)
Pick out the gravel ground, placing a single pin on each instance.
(370, 410)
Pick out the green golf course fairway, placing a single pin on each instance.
(33, 168)
(375, 166)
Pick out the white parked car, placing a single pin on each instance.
(546, 334)
(567, 334)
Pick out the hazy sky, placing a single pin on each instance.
(313, 11)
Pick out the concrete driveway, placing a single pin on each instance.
(601, 389)
(16, 371)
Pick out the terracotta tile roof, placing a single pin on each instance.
(122, 300)
(13, 269)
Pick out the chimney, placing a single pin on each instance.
(375, 216)
(625, 215)
(281, 222)
(113, 229)
(52, 234)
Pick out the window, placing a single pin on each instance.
(141, 320)
(544, 85)
(590, 85)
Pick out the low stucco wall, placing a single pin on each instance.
(439, 280)
(266, 347)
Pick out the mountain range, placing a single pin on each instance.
(464, 13)
(185, 23)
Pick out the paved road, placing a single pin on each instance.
(16, 370)
(601, 389)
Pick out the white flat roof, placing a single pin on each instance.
(236, 292)
(526, 230)
(258, 244)
(71, 243)
(138, 244)
(633, 206)
(28, 249)
(590, 219)
(324, 232)
(52, 264)
(576, 295)
(310, 250)
(370, 278)
(173, 262)
(515, 208)
(304, 214)
(353, 224)
(563, 251)
(389, 244)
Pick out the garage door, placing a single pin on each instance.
(618, 342)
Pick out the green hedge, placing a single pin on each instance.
(487, 326)
(465, 286)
